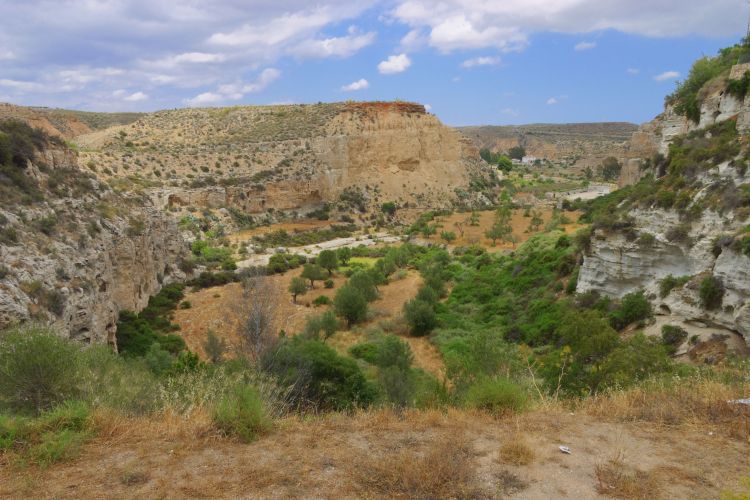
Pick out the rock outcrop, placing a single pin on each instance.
(80, 253)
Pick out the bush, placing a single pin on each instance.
(420, 316)
(669, 283)
(673, 336)
(322, 300)
(711, 292)
(634, 307)
(37, 369)
(240, 413)
(318, 377)
(497, 396)
(328, 283)
(350, 304)
(362, 281)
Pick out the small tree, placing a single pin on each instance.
(611, 168)
(344, 254)
(297, 286)
(428, 230)
(328, 260)
(421, 317)
(505, 164)
(388, 208)
(448, 236)
(536, 222)
(313, 272)
(214, 347)
(350, 304)
(363, 281)
(459, 225)
(474, 219)
(517, 152)
(711, 292)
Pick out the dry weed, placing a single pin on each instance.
(442, 470)
(516, 451)
(617, 479)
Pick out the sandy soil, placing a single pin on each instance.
(474, 235)
(383, 454)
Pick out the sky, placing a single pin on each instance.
(470, 62)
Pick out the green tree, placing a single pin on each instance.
(298, 286)
(505, 164)
(428, 230)
(501, 228)
(536, 222)
(344, 254)
(328, 260)
(474, 219)
(420, 316)
(313, 272)
(610, 168)
(517, 152)
(362, 281)
(350, 304)
(326, 323)
(388, 208)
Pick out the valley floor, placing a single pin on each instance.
(427, 454)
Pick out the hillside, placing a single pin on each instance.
(582, 144)
(292, 159)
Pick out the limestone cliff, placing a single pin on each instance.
(292, 158)
(73, 253)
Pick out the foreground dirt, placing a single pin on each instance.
(385, 454)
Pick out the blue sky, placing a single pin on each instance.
(471, 61)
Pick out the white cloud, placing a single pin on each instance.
(136, 97)
(344, 46)
(23, 86)
(510, 112)
(413, 40)
(632, 71)
(581, 46)
(360, 84)
(204, 99)
(235, 91)
(428, 107)
(7, 55)
(507, 25)
(199, 57)
(480, 61)
(552, 101)
(667, 75)
(394, 64)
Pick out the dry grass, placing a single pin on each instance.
(516, 451)
(698, 403)
(443, 469)
(616, 478)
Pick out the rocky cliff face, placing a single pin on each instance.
(79, 252)
(292, 158)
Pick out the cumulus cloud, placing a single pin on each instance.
(136, 96)
(470, 24)
(552, 101)
(344, 46)
(394, 64)
(667, 75)
(235, 91)
(360, 84)
(581, 46)
(480, 61)
(632, 71)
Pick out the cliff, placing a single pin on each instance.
(261, 159)
(73, 253)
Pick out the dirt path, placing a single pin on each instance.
(382, 454)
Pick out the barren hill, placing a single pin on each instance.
(584, 142)
(291, 158)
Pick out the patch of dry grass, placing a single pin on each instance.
(444, 469)
(617, 479)
(516, 451)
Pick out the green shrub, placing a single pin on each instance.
(497, 396)
(673, 336)
(322, 300)
(634, 307)
(328, 283)
(37, 369)
(318, 377)
(350, 304)
(711, 292)
(669, 283)
(362, 281)
(241, 413)
(420, 316)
